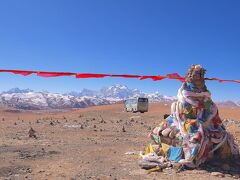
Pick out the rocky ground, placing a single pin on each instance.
(91, 144)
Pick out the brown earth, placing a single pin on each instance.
(87, 144)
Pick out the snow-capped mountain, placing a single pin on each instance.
(28, 99)
(121, 92)
(118, 93)
(83, 92)
(44, 100)
(238, 103)
(228, 103)
(157, 97)
(17, 90)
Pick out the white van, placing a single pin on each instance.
(136, 105)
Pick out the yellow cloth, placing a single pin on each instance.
(187, 125)
(153, 169)
(163, 122)
(149, 149)
(165, 148)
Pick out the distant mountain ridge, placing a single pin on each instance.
(30, 100)
(228, 103)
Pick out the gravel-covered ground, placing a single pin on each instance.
(91, 144)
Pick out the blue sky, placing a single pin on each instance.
(125, 36)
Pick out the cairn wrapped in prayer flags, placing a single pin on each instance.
(193, 130)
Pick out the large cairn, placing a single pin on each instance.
(193, 132)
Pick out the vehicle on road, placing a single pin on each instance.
(136, 105)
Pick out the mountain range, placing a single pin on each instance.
(30, 100)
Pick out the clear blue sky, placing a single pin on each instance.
(120, 36)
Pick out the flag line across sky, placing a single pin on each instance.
(175, 76)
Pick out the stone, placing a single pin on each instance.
(32, 133)
(166, 132)
(218, 174)
(123, 129)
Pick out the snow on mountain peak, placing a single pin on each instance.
(28, 99)
(17, 90)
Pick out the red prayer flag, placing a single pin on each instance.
(54, 74)
(87, 75)
(24, 73)
(91, 75)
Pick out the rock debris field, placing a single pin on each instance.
(94, 143)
